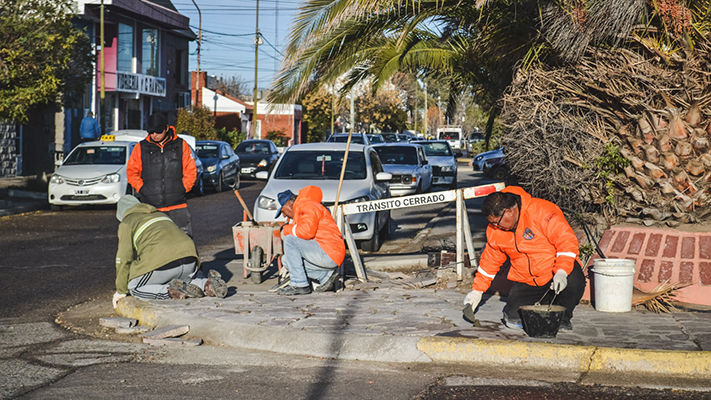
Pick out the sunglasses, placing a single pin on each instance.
(497, 224)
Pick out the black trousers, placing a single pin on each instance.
(522, 294)
(181, 217)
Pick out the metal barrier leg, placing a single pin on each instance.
(459, 238)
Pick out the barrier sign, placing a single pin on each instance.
(416, 200)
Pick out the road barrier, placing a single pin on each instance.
(463, 231)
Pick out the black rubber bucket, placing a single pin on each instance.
(542, 321)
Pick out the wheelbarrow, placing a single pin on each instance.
(259, 246)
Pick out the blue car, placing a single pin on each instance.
(220, 163)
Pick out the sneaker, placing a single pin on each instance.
(328, 284)
(181, 290)
(513, 324)
(294, 290)
(565, 326)
(215, 286)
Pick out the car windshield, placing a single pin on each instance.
(449, 135)
(321, 164)
(397, 155)
(91, 155)
(207, 150)
(390, 137)
(436, 149)
(376, 139)
(253, 147)
(343, 139)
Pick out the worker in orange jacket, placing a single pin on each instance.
(313, 244)
(162, 171)
(543, 250)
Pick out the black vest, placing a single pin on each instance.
(162, 173)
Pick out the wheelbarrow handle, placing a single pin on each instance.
(244, 206)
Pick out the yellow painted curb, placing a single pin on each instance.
(687, 364)
(493, 352)
(144, 312)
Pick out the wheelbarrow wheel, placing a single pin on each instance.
(255, 260)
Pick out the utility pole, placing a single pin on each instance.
(352, 114)
(426, 117)
(257, 39)
(333, 107)
(414, 116)
(199, 37)
(102, 69)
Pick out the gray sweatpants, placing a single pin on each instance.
(154, 284)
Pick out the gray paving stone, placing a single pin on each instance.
(172, 342)
(166, 332)
(117, 322)
(134, 330)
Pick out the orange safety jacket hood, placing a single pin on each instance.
(542, 243)
(313, 221)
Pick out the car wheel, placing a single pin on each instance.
(387, 231)
(499, 173)
(419, 187)
(373, 244)
(235, 182)
(220, 183)
(54, 207)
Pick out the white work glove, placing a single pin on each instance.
(473, 298)
(560, 281)
(117, 296)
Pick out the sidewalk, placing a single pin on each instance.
(15, 201)
(384, 321)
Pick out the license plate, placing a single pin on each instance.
(81, 192)
(247, 170)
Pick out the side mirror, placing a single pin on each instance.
(383, 176)
(425, 162)
(263, 175)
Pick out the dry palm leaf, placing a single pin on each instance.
(659, 299)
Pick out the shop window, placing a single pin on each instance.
(124, 60)
(150, 64)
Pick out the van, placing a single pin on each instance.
(452, 134)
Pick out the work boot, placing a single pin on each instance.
(328, 283)
(215, 286)
(565, 326)
(294, 290)
(182, 290)
(513, 324)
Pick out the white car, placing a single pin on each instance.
(319, 164)
(93, 173)
(408, 165)
(444, 165)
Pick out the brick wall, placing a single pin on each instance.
(8, 152)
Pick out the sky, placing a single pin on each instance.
(228, 28)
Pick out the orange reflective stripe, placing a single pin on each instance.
(175, 207)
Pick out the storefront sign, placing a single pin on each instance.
(138, 83)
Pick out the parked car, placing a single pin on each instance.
(256, 155)
(319, 164)
(496, 168)
(375, 138)
(405, 137)
(390, 137)
(360, 138)
(478, 160)
(221, 164)
(411, 172)
(441, 157)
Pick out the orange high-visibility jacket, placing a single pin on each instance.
(542, 244)
(313, 221)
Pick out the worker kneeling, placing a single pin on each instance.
(543, 251)
(313, 245)
(156, 259)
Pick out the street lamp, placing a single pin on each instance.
(214, 110)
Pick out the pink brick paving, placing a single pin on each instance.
(662, 254)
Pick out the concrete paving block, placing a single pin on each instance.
(117, 322)
(172, 341)
(167, 332)
(134, 330)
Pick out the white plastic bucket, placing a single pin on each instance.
(613, 281)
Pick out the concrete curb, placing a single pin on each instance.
(401, 349)
(582, 360)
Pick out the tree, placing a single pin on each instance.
(44, 59)
(317, 114)
(233, 86)
(198, 122)
(383, 111)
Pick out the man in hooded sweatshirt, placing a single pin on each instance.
(542, 248)
(156, 259)
(313, 245)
